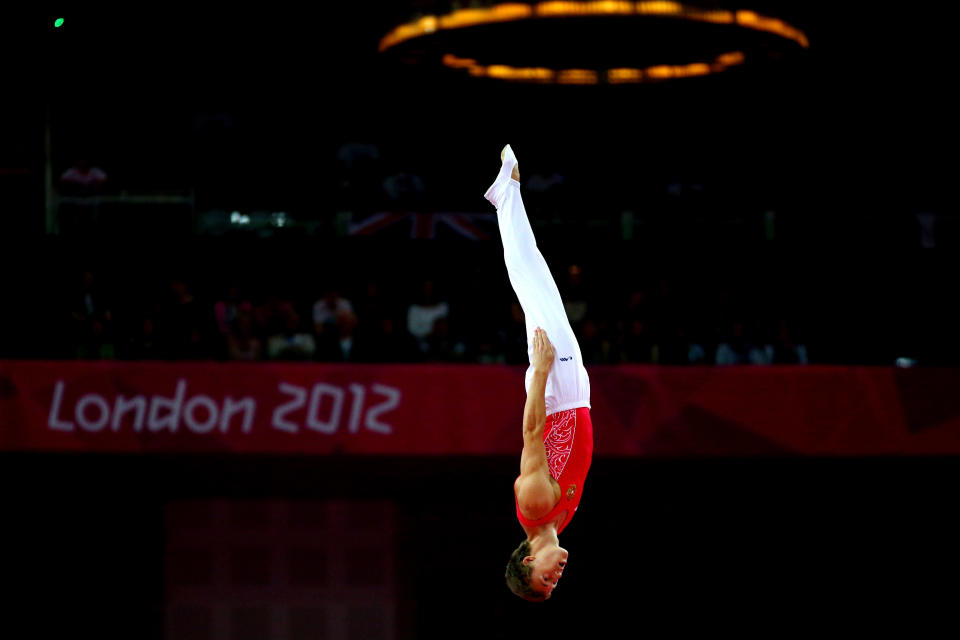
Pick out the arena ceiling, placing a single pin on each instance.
(869, 95)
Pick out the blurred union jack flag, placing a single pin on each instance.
(475, 226)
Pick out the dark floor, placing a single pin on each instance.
(696, 545)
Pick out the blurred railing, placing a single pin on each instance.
(76, 213)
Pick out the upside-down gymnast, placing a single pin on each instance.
(557, 431)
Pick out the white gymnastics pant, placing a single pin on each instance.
(568, 386)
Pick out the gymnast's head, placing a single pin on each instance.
(534, 574)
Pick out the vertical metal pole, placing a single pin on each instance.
(50, 197)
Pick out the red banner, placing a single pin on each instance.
(470, 409)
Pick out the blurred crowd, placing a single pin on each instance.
(367, 323)
(194, 315)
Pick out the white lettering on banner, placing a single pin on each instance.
(81, 411)
(325, 406)
(313, 421)
(190, 420)
(164, 412)
(391, 403)
(330, 422)
(299, 399)
(171, 420)
(53, 422)
(247, 405)
(356, 409)
(122, 406)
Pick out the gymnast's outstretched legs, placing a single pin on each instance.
(568, 385)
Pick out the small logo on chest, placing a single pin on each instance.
(571, 491)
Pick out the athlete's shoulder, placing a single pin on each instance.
(536, 497)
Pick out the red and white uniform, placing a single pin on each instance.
(568, 439)
(568, 434)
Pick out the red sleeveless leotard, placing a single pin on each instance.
(568, 439)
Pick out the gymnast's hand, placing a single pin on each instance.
(542, 358)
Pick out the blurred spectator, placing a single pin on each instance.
(488, 349)
(346, 325)
(143, 344)
(82, 179)
(269, 317)
(514, 336)
(738, 348)
(575, 299)
(664, 317)
(182, 323)
(334, 321)
(92, 320)
(443, 346)
(336, 343)
(595, 346)
(760, 343)
(228, 307)
(330, 310)
(176, 324)
(226, 310)
(404, 189)
(384, 343)
(241, 343)
(785, 350)
(636, 342)
(732, 348)
(371, 307)
(676, 347)
(422, 315)
(696, 348)
(760, 354)
(291, 343)
(637, 346)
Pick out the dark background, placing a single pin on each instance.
(747, 546)
(848, 142)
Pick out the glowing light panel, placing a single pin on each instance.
(621, 75)
(510, 12)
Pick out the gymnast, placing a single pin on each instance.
(557, 431)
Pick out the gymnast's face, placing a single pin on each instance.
(547, 568)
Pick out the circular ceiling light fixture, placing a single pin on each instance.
(597, 42)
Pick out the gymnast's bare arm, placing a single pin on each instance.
(537, 492)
